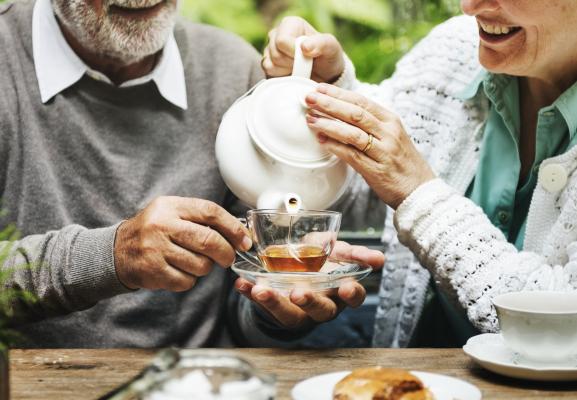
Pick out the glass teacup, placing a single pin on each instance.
(298, 241)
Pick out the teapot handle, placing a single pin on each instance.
(303, 66)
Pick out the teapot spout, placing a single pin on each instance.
(273, 200)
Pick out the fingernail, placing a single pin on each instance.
(312, 98)
(322, 138)
(311, 119)
(243, 288)
(352, 294)
(299, 299)
(322, 88)
(246, 243)
(266, 63)
(262, 296)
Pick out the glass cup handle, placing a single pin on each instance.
(247, 255)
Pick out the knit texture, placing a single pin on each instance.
(442, 230)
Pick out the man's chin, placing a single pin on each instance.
(132, 39)
(132, 52)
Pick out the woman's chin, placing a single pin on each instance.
(498, 63)
(505, 57)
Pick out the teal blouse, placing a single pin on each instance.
(496, 187)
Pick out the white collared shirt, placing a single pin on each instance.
(59, 67)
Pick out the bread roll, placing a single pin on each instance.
(380, 383)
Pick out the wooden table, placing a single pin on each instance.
(88, 374)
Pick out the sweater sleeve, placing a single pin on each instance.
(470, 258)
(66, 270)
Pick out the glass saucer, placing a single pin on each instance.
(332, 275)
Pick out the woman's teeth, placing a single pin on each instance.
(497, 29)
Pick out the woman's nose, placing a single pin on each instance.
(475, 7)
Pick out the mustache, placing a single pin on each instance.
(134, 3)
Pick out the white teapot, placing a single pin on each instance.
(267, 155)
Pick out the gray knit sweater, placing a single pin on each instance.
(72, 169)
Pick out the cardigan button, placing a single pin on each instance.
(553, 177)
(503, 217)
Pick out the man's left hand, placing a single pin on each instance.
(302, 307)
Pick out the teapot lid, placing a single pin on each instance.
(277, 115)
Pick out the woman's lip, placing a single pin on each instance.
(496, 39)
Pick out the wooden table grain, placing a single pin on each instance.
(88, 374)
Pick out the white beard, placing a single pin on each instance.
(113, 36)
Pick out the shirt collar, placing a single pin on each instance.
(566, 103)
(58, 67)
(567, 106)
(472, 88)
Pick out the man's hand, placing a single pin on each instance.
(173, 241)
(302, 307)
(322, 47)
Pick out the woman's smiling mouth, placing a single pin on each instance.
(497, 33)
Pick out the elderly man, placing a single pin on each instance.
(107, 105)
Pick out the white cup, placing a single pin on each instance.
(539, 325)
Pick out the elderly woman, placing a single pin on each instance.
(471, 143)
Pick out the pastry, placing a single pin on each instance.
(380, 383)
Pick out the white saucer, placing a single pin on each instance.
(490, 351)
(337, 273)
(443, 387)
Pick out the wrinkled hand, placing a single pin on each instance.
(322, 47)
(303, 306)
(173, 241)
(391, 165)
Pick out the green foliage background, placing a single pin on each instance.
(374, 33)
(8, 235)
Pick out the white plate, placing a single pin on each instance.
(490, 352)
(443, 387)
(339, 272)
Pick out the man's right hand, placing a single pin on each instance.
(324, 48)
(175, 240)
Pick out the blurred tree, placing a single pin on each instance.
(374, 33)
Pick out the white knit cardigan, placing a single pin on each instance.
(468, 257)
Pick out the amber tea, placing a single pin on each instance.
(293, 258)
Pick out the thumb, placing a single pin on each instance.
(312, 46)
(374, 258)
(321, 44)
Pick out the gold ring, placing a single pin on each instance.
(369, 143)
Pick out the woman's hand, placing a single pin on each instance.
(345, 121)
(302, 306)
(324, 48)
